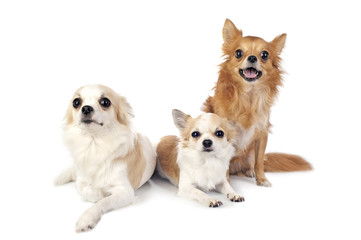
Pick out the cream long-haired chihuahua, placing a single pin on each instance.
(111, 160)
(198, 160)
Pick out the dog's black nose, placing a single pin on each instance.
(86, 110)
(252, 59)
(207, 143)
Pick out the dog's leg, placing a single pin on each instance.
(225, 188)
(69, 175)
(248, 162)
(243, 162)
(187, 190)
(119, 197)
(87, 192)
(260, 148)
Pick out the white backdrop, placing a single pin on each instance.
(163, 55)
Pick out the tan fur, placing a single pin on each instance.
(167, 157)
(279, 162)
(135, 164)
(246, 103)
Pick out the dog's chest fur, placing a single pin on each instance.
(258, 110)
(94, 155)
(205, 170)
(250, 109)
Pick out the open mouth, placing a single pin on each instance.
(250, 74)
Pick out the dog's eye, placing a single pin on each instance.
(104, 102)
(196, 134)
(76, 102)
(239, 53)
(219, 133)
(264, 55)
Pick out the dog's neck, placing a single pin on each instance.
(249, 104)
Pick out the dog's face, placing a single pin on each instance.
(97, 106)
(207, 133)
(251, 60)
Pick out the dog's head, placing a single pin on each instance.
(208, 133)
(98, 106)
(250, 59)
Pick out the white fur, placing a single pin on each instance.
(98, 177)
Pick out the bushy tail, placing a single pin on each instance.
(280, 162)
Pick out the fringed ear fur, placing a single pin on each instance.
(230, 32)
(124, 111)
(279, 42)
(180, 119)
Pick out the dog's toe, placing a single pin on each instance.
(263, 182)
(235, 197)
(86, 223)
(215, 203)
(249, 173)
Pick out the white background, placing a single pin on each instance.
(163, 55)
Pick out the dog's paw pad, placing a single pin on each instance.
(235, 198)
(215, 203)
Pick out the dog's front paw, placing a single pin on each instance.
(263, 182)
(235, 197)
(86, 222)
(215, 203)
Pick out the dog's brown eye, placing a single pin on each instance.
(239, 53)
(104, 102)
(196, 134)
(219, 134)
(264, 55)
(76, 102)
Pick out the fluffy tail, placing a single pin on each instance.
(280, 162)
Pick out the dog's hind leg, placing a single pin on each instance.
(69, 175)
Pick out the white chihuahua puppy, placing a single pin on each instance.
(198, 160)
(111, 160)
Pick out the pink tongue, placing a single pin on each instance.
(250, 73)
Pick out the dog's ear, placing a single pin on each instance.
(279, 42)
(230, 32)
(69, 116)
(124, 111)
(180, 119)
(69, 119)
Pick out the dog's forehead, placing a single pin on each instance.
(89, 91)
(251, 43)
(207, 122)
